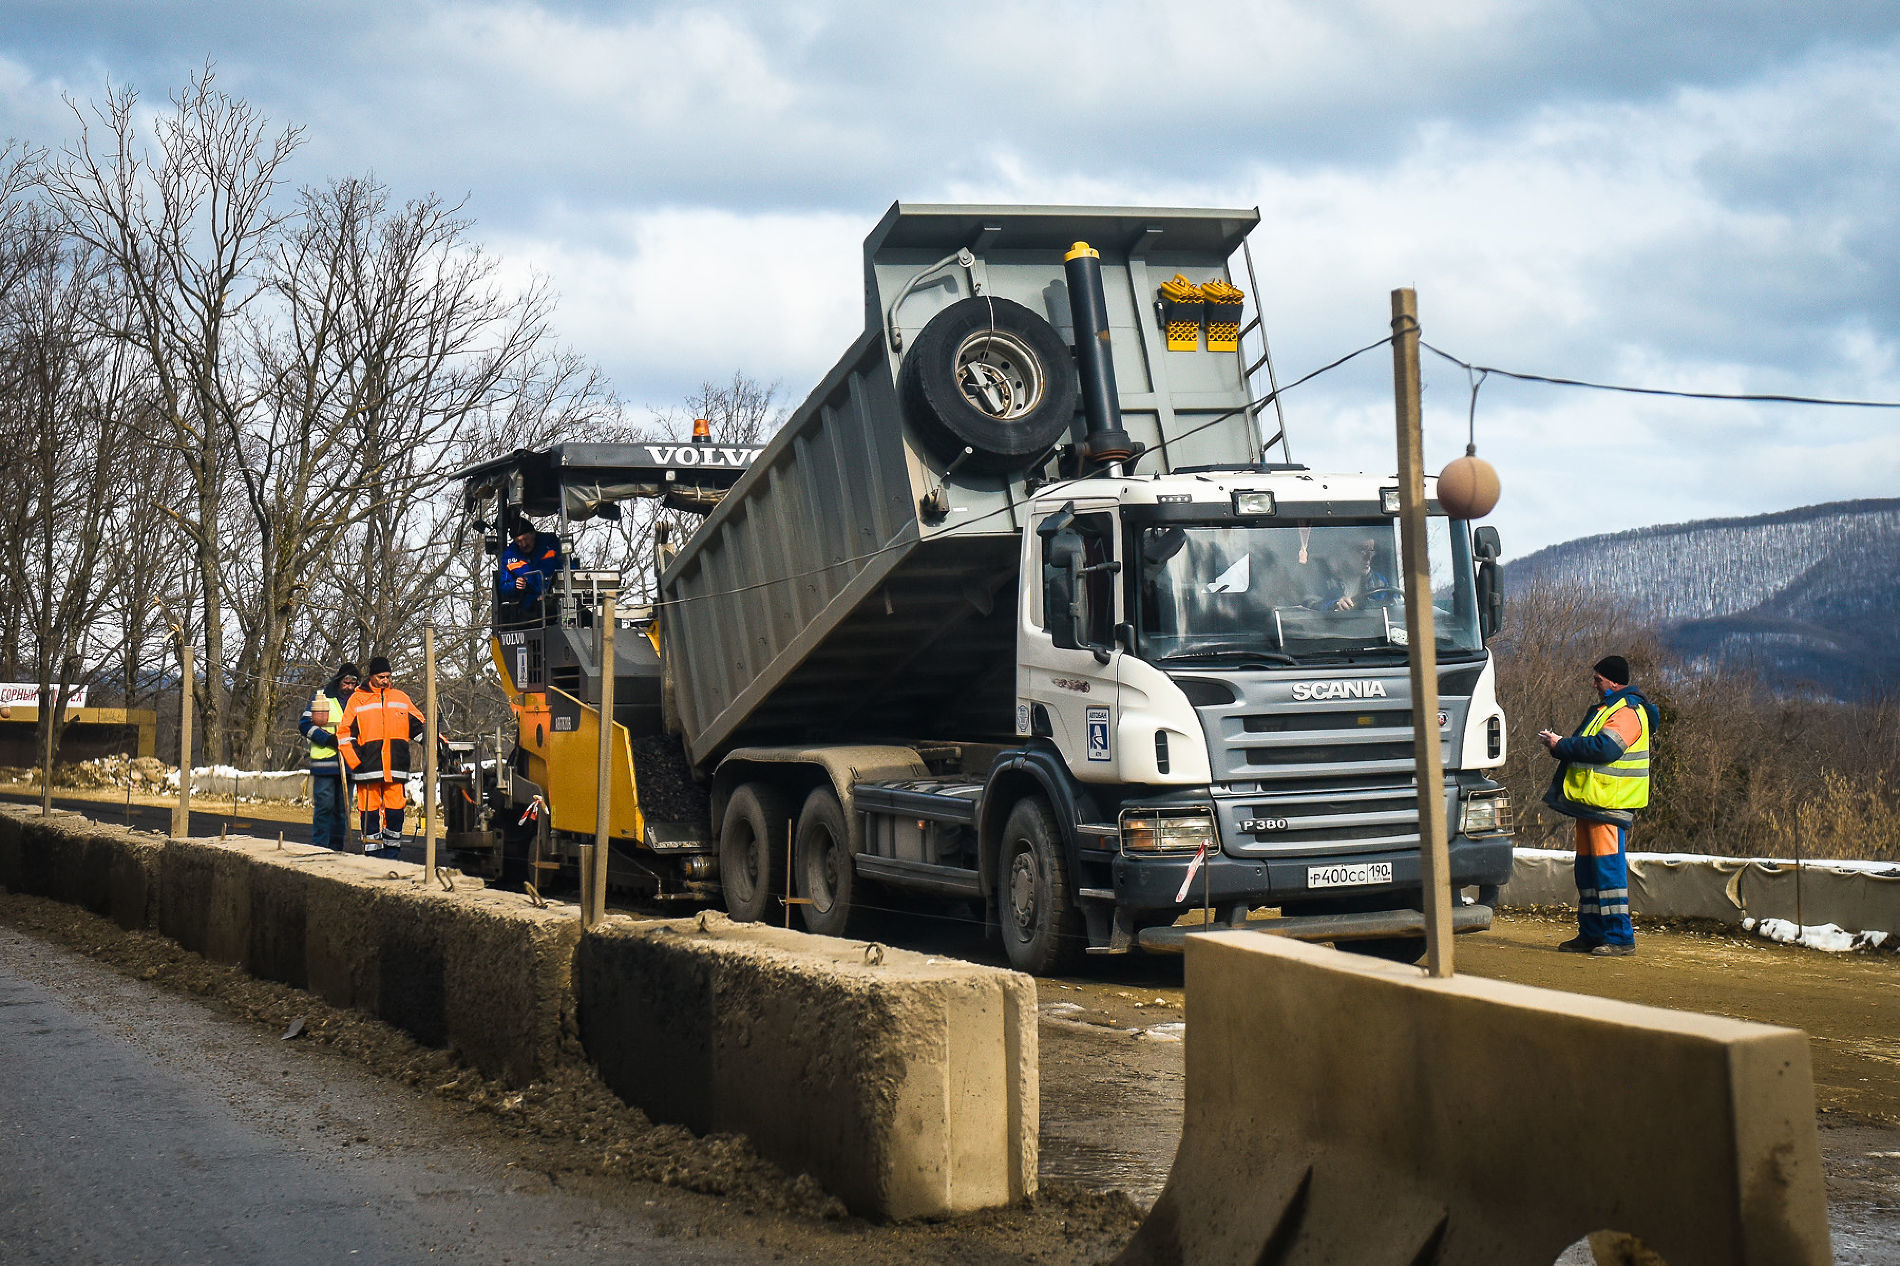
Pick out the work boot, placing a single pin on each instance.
(1613, 951)
(1578, 945)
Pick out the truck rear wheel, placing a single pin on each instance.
(992, 375)
(752, 850)
(1041, 926)
(824, 864)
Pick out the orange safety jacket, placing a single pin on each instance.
(378, 726)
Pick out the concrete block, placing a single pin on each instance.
(105, 869)
(205, 896)
(484, 973)
(905, 1085)
(1345, 1110)
(12, 836)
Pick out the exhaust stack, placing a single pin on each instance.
(1095, 358)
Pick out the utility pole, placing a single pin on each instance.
(1421, 638)
(429, 733)
(181, 813)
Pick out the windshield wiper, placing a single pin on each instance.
(1351, 651)
(1227, 652)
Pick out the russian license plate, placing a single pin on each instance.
(1349, 876)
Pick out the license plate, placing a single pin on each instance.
(1349, 876)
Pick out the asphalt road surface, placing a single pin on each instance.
(137, 1126)
(145, 817)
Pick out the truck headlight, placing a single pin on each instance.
(1488, 814)
(1167, 831)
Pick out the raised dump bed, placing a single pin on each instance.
(860, 579)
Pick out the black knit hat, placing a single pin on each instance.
(348, 670)
(378, 664)
(1612, 668)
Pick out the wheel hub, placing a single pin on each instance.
(999, 375)
(1022, 890)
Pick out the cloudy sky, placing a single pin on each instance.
(1677, 195)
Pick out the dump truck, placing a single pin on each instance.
(1014, 612)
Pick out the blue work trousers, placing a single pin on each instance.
(329, 816)
(1603, 895)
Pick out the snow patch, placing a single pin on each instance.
(1826, 936)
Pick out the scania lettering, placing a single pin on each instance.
(1014, 614)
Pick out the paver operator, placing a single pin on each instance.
(379, 723)
(329, 816)
(531, 559)
(1602, 778)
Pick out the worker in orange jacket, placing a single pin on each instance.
(378, 725)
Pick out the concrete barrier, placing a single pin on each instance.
(67, 858)
(906, 1085)
(1345, 1110)
(1855, 896)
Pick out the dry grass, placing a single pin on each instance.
(1739, 770)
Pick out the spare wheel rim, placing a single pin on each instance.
(999, 375)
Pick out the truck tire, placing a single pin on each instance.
(1041, 926)
(994, 376)
(824, 872)
(752, 851)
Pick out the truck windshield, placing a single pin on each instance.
(1292, 593)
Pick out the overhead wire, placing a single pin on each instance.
(1744, 397)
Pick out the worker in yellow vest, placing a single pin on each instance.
(1602, 779)
(329, 816)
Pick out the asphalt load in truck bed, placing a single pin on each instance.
(667, 790)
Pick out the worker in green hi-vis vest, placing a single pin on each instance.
(329, 820)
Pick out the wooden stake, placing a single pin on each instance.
(428, 758)
(181, 814)
(1434, 857)
(603, 770)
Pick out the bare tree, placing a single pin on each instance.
(185, 218)
(63, 421)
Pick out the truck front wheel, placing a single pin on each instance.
(824, 865)
(1041, 926)
(752, 850)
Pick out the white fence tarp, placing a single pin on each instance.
(1858, 896)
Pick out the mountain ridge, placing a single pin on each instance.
(1809, 596)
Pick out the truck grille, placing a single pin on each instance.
(1314, 777)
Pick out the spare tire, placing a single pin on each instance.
(994, 376)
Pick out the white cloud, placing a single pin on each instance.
(1705, 201)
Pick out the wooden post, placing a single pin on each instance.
(1427, 739)
(603, 775)
(428, 758)
(49, 717)
(181, 815)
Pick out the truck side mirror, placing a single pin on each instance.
(1062, 588)
(1485, 546)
